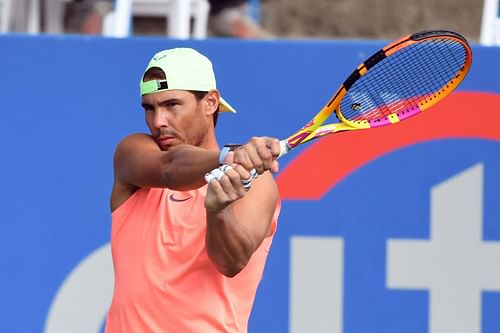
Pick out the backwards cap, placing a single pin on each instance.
(185, 69)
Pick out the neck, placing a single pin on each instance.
(209, 141)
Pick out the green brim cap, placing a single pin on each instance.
(185, 69)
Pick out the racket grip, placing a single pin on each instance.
(284, 148)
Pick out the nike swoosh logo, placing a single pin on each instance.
(174, 199)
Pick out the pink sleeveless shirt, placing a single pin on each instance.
(164, 279)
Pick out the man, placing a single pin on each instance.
(232, 18)
(188, 256)
(85, 16)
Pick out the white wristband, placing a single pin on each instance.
(223, 154)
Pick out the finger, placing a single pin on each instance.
(275, 146)
(245, 177)
(225, 168)
(266, 157)
(253, 174)
(215, 174)
(231, 175)
(259, 154)
(242, 157)
(209, 177)
(216, 198)
(232, 186)
(275, 166)
(221, 192)
(229, 180)
(237, 183)
(268, 150)
(242, 171)
(257, 151)
(247, 183)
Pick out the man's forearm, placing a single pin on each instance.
(186, 165)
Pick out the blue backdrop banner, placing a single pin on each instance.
(391, 231)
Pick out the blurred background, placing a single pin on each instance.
(380, 19)
(358, 19)
(319, 19)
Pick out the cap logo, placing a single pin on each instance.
(159, 57)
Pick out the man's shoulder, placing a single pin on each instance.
(135, 137)
(135, 140)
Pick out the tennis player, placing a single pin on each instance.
(188, 256)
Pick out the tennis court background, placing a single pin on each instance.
(347, 254)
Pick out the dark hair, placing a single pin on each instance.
(157, 73)
(199, 96)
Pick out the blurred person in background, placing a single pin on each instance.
(85, 16)
(228, 18)
(232, 18)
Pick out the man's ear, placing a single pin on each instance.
(211, 102)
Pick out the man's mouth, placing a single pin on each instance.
(165, 140)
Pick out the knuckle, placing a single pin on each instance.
(259, 165)
(236, 196)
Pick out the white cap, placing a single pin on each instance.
(185, 69)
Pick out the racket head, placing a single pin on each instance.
(403, 79)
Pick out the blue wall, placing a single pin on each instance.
(67, 101)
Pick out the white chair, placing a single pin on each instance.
(490, 24)
(5, 15)
(117, 23)
(53, 13)
(20, 15)
(33, 16)
(179, 15)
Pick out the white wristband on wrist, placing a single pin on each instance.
(223, 154)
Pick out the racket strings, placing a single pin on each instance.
(401, 82)
(423, 79)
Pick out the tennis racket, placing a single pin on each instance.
(396, 83)
(403, 79)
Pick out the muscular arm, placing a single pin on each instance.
(237, 220)
(235, 232)
(139, 162)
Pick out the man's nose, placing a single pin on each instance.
(160, 119)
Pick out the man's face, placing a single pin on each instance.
(176, 117)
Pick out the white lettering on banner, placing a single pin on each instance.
(455, 265)
(81, 303)
(316, 285)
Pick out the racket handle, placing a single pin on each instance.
(284, 148)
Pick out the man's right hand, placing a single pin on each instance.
(259, 153)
